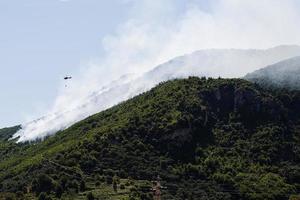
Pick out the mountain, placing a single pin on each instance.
(226, 63)
(285, 74)
(205, 138)
(7, 133)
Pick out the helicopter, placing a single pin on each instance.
(67, 77)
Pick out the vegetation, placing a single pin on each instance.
(284, 74)
(7, 133)
(205, 138)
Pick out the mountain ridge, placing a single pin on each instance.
(209, 63)
(284, 74)
(212, 138)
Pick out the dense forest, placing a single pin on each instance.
(203, 138)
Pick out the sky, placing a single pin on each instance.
(96, 41)
(41, 42)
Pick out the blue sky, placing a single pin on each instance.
(44, 40)
(41, 41)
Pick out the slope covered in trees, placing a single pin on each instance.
(6, 133)
(285, 74)
(226, 63)
(205, 138)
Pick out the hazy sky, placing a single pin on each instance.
(41, 41)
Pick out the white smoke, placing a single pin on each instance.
(282, 74)
(156, 31)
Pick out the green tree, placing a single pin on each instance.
(90, 196)
(82, 186)
(42, 196)
(59, 191)
(43, 184)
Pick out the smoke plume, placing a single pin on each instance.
(157, 31)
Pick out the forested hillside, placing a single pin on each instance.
(285, 74)
(205, 139)
(7, 133)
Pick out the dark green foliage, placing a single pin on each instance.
(8, 148)
(109, 179)
(59, 191)
(42, 196)
(206, 139)
(122, 187)
(115, 186)
(90, 196)
(9, 197)
(43, 183)
(82, 186)
(7, 133)
(265, 186)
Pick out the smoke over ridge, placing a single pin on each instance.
(158, 31)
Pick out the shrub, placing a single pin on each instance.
(122, 187)
(90, 196)
(82, 186)
(115, 186)
(42, 196)
(42, 184)
(59, 191)
(109, 179)
(97, 184)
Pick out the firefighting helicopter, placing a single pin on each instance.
(67, 78)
